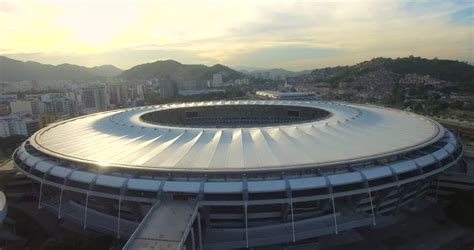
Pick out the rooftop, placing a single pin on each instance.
(349, 133)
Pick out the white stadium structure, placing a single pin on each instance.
(235, 174)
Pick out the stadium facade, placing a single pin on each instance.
(249, 173)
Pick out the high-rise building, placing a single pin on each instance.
(168, 89)
(35, 85)
(23, 126)
(94, 99)
(47, 118)
(116, 98)
(4, 108)
(8, 98)
(70, 108)
(17, 124)
(37, 107)
(217, 80)
(139, 92)
(62, 105)
(124, 94)
(4, 128)
(21, 106)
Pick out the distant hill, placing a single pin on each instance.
(273, 72)
(13, 71)
(175, 70)
(105, 71)
(447, 70)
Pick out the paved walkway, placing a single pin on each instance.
(164, 226)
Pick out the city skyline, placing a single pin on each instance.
(292, 35)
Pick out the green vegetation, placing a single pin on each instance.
(344, 75)
(460, 73)
(27, 228)
(434, 106)
(467, 86)
(9, 144)
(394, 241)
(418, 91)
(37, 236)
(448, 70)
(397, 97)
(460, 208)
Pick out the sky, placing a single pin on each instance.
(295, 35)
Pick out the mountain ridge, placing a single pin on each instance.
(12, 70)
(273, 71)
(176, 70)
(443, 69)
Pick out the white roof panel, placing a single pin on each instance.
(450, 147)
(81, 176)
(344, 179)
(144, 185)
(440, 154)
(22, 154)
(266, 186)
(223, 187)
(307, 183)
(122, 138)
(451, 138)
(182, 186)
(110, 181)
(377, 172)
(32, 160)
(425, 160)
(44, 166)
(404, 166)
(60, 172)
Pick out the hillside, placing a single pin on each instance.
(273, 72)
(175, 70)
(105, 71)
(426, 86)
(13, 71)
(447, 70)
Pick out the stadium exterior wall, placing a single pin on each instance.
(253, 209)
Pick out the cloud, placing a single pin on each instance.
(289, 57)
(123, 58)
(463, 17)
(295, 34)
(10, 7)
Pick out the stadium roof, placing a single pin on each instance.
(350, 133)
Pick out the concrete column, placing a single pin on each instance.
(193, 243)
(85, 211)
(246, 227)
(372, 207)
(40, 195)
(334, 212)
(118, 217)
(60, 202)
(292, 219)
(437, 189)
(199, 230)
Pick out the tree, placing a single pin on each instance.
(10, 143)
(460, 208)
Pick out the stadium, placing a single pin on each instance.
(235, 174)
